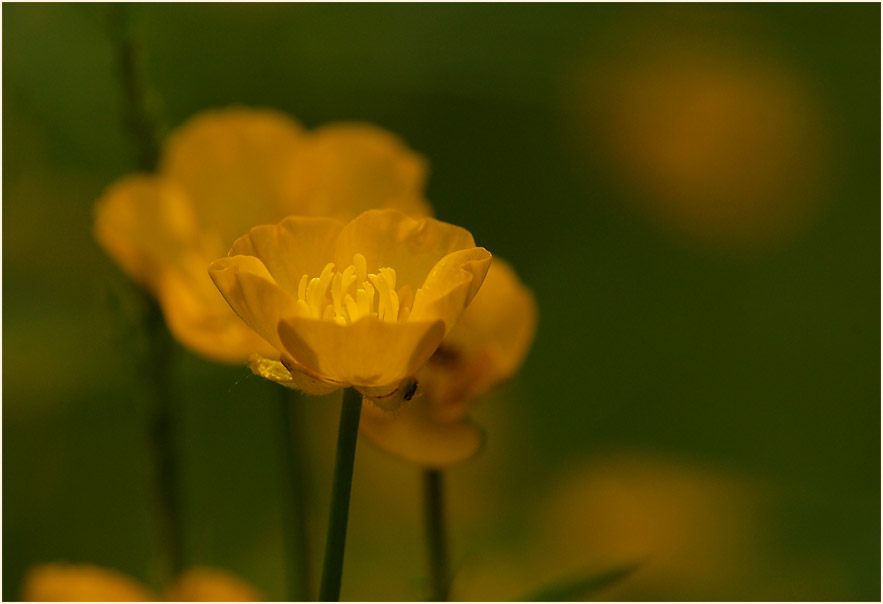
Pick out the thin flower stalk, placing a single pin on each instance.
(342, 482)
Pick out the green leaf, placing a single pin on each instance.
(582, 586)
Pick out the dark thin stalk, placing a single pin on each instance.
(297, 480)
(436, 541)
(156, 366)
(137, 119)
(342, 482)
(162, 440)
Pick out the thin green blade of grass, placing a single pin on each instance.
(578, 587)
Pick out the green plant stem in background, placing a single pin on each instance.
(436, 540)
(342, 482)
(137, 119)
(296, 479)
(156, 364)
(157, 370)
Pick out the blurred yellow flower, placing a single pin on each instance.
(486, 347)
(716, 140)
(361, 304)
(220, 174)
(89, 583)
(698, 532)
(203, 584)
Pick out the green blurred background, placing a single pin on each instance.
(691, 191)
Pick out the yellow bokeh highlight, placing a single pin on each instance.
(60, 582)
(721, 143)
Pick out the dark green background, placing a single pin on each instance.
(764, 363)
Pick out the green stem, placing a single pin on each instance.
(342, 482)
(156, 366)
(298, 543)
(162, 438)
(436, 542)
(136, 116)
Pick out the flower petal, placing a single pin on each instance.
(295, 247)
(369, 352)
(145, 223)
(199, 317)
(202, 584)
(236, 166)
(253, 293)
(345, 169)
(81, 583)
(415, 436)
(450, 286)
(296, 380)
(502, 320)
(486, 347)
(391, 239)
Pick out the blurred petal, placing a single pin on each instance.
(252, 292)
(211, 585)
(411, 247)
(450, 286)
(486, 347)
(236, 165)
(81, 583)
(295, 247)
(410, 433)
(345, 169)
(144, 223)
(199, 317)
(369, 352)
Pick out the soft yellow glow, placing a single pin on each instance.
(89, 583)
(222, 173)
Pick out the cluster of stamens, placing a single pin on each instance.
(347, 296)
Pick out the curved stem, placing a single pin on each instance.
(298, 542)
(436, 541)
(342, 482)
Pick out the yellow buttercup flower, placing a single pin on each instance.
(89, 583)
(201, 584)
(81, 583)
(486, 347)
(361, 304)
(222, 173)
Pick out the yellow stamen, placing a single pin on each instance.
(351, 294)
(361, 267)
(352, 308)
(302, 288)
(311, 299)
(365, 299)
(390, 276)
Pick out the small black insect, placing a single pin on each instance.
(410, 390)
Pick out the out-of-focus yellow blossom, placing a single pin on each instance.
(717, 141)
(486, 347)
(361, 304)
(697, 534)
(81, 583)
(202, 584)
(89, 583)
(224, 172)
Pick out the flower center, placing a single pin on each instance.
(347, 296)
